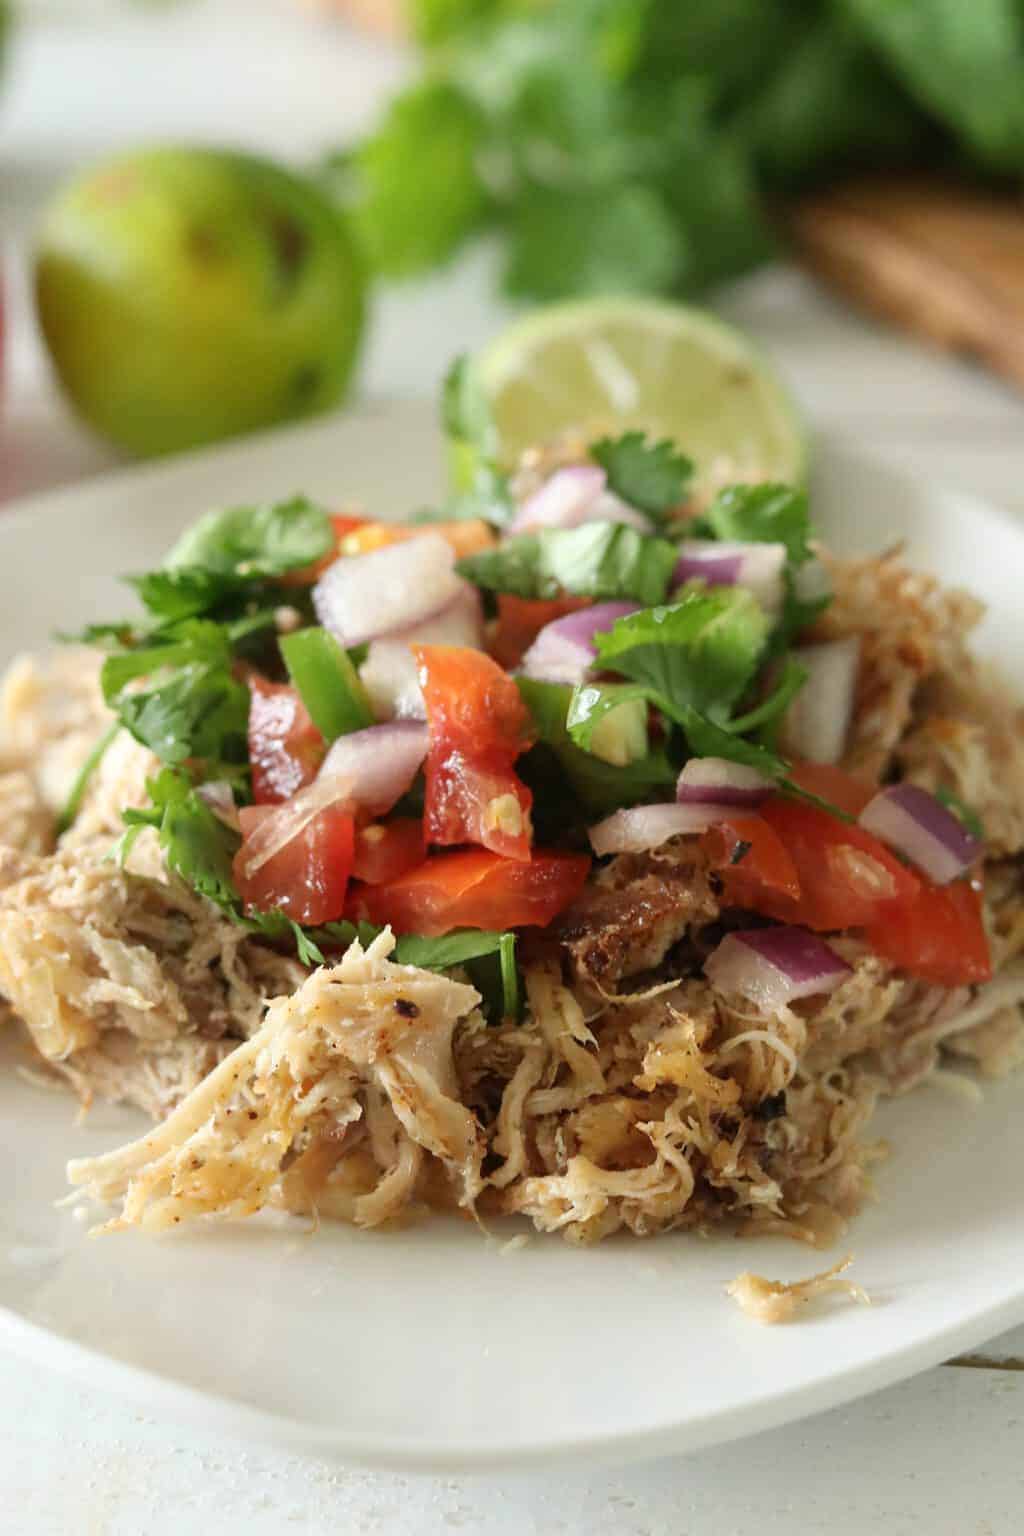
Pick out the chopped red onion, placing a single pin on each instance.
(818, 720)
(378, 764)
(707, 560)
(760, 567)
(389, 672)
(774, 966)
(220, 797)
(917, 825)
(648, 826)
(563, 501)
(572, 495)
(564, 650)
(362, 596)
(714, 781)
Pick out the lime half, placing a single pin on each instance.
(606, 365)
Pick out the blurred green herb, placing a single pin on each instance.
(634, 145)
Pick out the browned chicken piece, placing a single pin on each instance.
(639, 907)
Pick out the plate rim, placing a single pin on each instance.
(37, 1344)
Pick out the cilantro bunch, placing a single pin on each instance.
(634, 145)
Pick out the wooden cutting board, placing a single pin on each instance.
(937, 259)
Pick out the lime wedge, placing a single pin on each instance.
(605, 365)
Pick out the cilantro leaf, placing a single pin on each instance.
(572, 241)
(490, 958)
(488, 496)
(257, 543)
(651, 476)
(763, 514)
(600, 560)
(186, 592)
(700, 653)
(418, 190)
(468, 422)
(76, 795)
(193, 706)
(766, 717)
(465, 410)
(707, 738)
(196, 845)
(771, 514)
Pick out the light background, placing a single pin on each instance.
(940, 1455)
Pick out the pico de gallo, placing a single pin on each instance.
(446, 725)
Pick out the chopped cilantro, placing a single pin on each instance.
(73, 803)
(599, 560)
(651, 476)
(763, 514)
(700, 653)
(255, 543)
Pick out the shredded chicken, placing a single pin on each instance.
(774, 1301)
(363, 1037)
(51, 715)
(631, 1095)
(88, 950)
(909, 627)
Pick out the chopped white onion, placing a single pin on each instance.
(576, 494)
(389, 672)
(368, 769)
(362, 596)
(391, 680)
(648, 826)
(563, 501)
(759, 567)
(817, 722)
(609, 508)
(220, 797)
(917, 825)
(564, 649)
(773, 967)
(379, 763)
(281, 823)
(715, 781)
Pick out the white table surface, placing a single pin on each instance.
(939, 1455)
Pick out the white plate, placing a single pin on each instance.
(431, 1347)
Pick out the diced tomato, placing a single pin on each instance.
(939, 935)
(285, 747)
(837, 786)
(520, 621)
(467, 537)
(478, 727)
(847, 877)
(343, 524)
(308, 877)
(386, 850)
(751, 861)
(475, 889)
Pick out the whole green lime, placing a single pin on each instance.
(190, 294)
